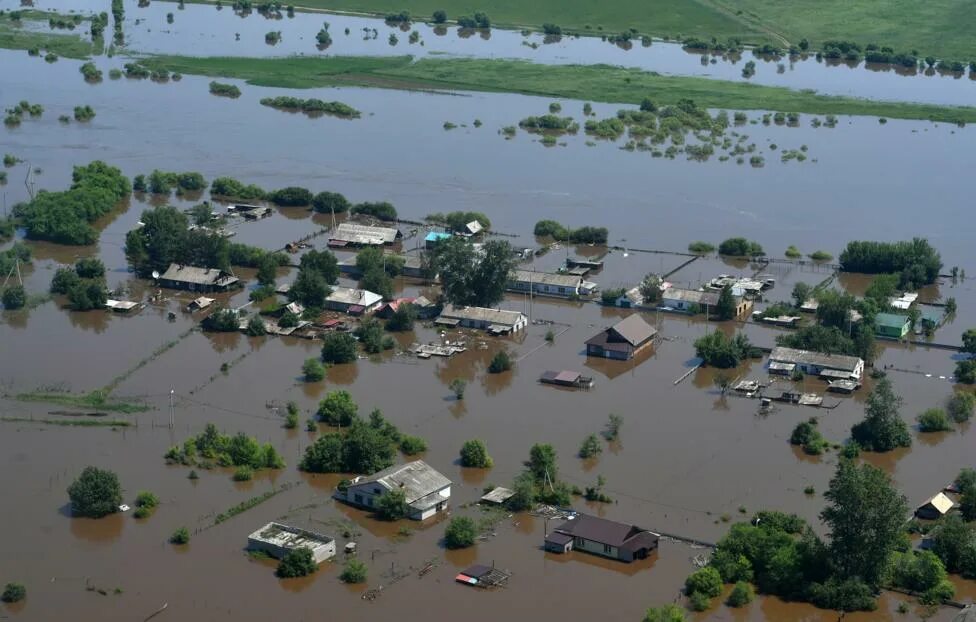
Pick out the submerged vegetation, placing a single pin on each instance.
(66, 217)
(311, 107)
(224, 90)
(211, 447)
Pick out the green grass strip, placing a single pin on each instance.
(81, 423)
(598, 83)
(97, 400)
(65, 45)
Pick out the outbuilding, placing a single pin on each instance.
(892, 325)
(278, 539)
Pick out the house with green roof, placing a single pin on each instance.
(891, 325)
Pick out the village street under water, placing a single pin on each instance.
(688, 461)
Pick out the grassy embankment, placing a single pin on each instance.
(598, 83)
(941, 28)
(81, 423)
(68, 45)
(96, 400)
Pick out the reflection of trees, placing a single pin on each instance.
(95, 320)
(344, 374)
(98, 530)
(223, 342)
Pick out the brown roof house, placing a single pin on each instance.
(604, 537)
(623, 340)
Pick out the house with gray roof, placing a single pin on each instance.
(352, 234)
(549, 283)
(829, 366)
(495, 321)
(603, 537)
(697, 301)
(427, 492)
(624, 340)
(195, 279)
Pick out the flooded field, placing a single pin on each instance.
(689, 460)
(202, 30)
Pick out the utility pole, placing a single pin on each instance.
(172, 418)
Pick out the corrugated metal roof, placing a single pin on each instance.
(806, 357)
(363, 234)
(547, 278)
(416, 479)
(482, 314)
(198, 276)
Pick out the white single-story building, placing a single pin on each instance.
(549, 283)
(497, 321)
(831, 366)
(278, 539)
(352, 301)
(427, 492)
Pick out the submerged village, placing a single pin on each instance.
(265, 354)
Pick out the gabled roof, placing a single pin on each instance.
(600, 530)
(940, 502)
(634, 329)
(482, 314)
(547, 278)
(198, 276)
(806, 357)
(891, 320)
(364, 234)
(350, 296)
(691, 296)
(416, 479)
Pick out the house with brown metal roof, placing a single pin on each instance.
(600, 536)
(623, 340)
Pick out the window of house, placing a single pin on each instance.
(607, 549)
(359, 499)
(370, 501)
(377, 491)
(580, 542)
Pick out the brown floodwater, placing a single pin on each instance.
(688, 460)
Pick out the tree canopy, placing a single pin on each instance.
(96, 493)
(718, 350)
(66, 217)
(297, 563)
(915, 262)
(882, 428)
(865, 516)
(472, 279)
(366, 447)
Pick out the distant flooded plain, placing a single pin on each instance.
(689, 461)
(203, 30)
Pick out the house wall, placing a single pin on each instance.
(543, 288)
(597, 548)
(319, 553)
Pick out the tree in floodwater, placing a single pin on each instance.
(882, 428)
(865, 515)
(470, 278)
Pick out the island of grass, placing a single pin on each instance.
(602, 83)
(14, 35)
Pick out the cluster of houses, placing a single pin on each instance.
(427, 493)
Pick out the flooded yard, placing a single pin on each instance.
(689, 459)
